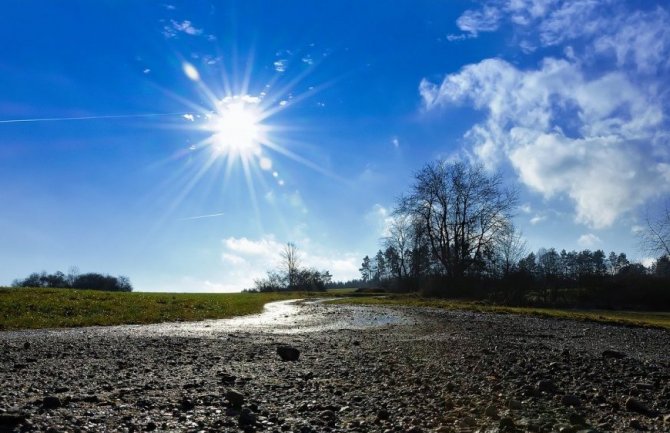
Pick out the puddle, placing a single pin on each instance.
(281, 317)
(288, 317)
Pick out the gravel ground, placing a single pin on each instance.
(359, 369)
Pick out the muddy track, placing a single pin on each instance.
(359, 369)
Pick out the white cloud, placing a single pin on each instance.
(564, 132)
(172, 29)
(537, 219)
(280, 65)
(486, 19)
(588, 240)
(265, 247)
(640, 38)
(637, 229)
(246, 260)
(380, 218)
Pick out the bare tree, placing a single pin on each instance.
(511, 247)
(656, 236)
(290, 262)
(463, 211)
(399, 240)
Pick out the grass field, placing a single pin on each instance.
(630, 318)
(23, 308)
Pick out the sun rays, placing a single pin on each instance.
(242, 138)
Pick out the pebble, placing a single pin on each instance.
(288, 353)
(235, 398)
(571, 400)
(635, 405)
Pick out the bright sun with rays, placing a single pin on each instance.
(236, 128)
(236, 132)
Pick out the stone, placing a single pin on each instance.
(51, 402)
(247, 417)
(571, 400)
(635, 424)
(576, 419)
(186, 404)
(506, 424)
(546, 385)
(235, 398)
(151, 426)
(11, 420)
(327, 415)
(288, 353)
(635, 405)
(565, 429)
(383, 414)
(491, 412)
(615, 354)
(514, 404)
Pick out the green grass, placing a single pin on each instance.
(628, 318)
(29, 308)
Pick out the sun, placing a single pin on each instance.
(236, 127)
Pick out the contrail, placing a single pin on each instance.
(58, 119)
(201, 216)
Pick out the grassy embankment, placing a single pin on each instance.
(23, 308)
(629, 318)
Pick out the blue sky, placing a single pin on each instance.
(567, 99)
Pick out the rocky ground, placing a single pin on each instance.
(429, 371)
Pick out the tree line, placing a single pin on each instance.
(452, 235)
(74, 280)
(291, 275)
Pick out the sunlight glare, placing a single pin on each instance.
(235, 127)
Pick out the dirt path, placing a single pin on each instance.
(359, 369)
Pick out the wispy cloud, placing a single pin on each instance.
(537, 219)
(486, 19)
(172, 29)
(211, 215)
(280, 65)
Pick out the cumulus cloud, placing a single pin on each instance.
(598, 136)
(588, 240)
(246, 260)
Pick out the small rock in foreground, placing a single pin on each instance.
(635, 405)
(288, 353)
(235, 398)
